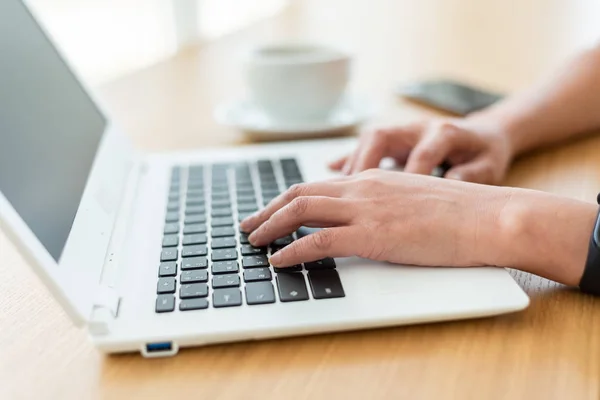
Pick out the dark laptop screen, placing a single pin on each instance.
(49, 129)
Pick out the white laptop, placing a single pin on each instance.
(144, 250)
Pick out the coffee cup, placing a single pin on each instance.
(293, 82)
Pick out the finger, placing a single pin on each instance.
(315, 211)
(338, 164)
(373, 149)
(331, 242)
(480, 170)
(347, 168)
(351, 160)
(331, 188)
(390, 142)
(435, 147)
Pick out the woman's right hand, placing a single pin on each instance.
(477, 152)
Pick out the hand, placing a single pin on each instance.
(386, 216)
(477, 151)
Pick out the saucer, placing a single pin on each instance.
(247, 116)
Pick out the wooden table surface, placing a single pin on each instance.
(549, 351)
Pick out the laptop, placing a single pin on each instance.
(145, 251)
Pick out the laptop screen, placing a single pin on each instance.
(49, 129)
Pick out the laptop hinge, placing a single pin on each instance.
(105, 310)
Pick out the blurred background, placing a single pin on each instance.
(164, 65)
(108, 38)
(105, 39)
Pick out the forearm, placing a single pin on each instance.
(566, 105)
(544, 234)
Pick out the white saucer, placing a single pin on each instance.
(247, 116)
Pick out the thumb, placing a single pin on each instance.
(480, 170)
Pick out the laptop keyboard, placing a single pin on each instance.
(206, 261)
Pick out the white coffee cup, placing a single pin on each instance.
(297, 82)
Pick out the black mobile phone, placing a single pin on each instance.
(450, 96)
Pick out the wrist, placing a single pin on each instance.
(544, 234)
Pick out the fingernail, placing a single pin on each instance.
(252, 237)
(275, 259)
(248, 219)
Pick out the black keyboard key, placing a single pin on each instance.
(168, 255)
(245, 191)
(192, 210)
(264, 165)
(257, 274)
(167, 269)
(195, 183)
(244, 238)
(165, 303)
(222, 231)
(227, 297)
(247, 208)
(248, 250)
(170, 241)
(243, 182)
(293, 268)
(243, 216)
(194, 263)
(282, 242)
(173, 206)
(222, 221)
(193, 304)
(269, 180)
(265, 186)
(194, 201)
(305, 231)
(260, 293)
(223, 242)
(219, 182)
(292, 287)
(165, 285)
(326, 263)
(194, 219)
(325, 284)
(223, 281)
(172, 216)
(220, 196)
(194, 228)
(197, 238)
(271, 193)
(224, 254)
(171, 228)
(194, 276)
(194, 251)
(221, 203)
(193, 290)
(246, 199)
(221, 212)
(195, 192)
(255, 261)
(289, 163)
(224, 267)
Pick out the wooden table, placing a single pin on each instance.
(551, 350)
